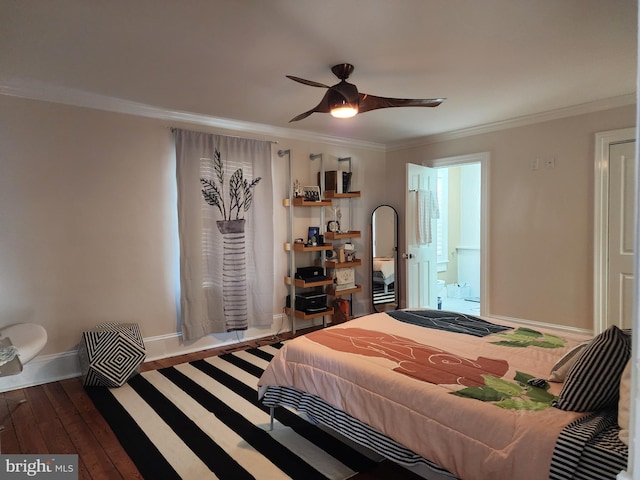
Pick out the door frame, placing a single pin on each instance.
(604, 140)
(482, 158)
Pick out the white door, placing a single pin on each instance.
(621, 233)
(420, 233)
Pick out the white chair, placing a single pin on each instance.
(29, 339)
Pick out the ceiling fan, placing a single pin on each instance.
(343, 100)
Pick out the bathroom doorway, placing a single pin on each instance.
(460, 233)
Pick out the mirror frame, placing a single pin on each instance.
(394, 305)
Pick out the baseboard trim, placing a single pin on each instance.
(43, 369)
(562, 328)
(52, 368)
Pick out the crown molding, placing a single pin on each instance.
(584, 108)
(79, 98)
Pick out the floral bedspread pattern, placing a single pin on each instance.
(424, 362)
(526, 337)
(517, 395)
(482, 376)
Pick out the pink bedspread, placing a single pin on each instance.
(399, 378)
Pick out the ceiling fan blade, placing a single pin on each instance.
(302, 115)
(371, 102)
(322, 107)
(307, 82)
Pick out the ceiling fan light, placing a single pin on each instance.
(341, 108)
(344, 110)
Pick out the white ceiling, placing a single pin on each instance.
(494, 60)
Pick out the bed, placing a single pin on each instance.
(466, 397)
(384, 271)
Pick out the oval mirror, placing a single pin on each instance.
(384, 261)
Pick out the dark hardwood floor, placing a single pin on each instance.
(60, 418)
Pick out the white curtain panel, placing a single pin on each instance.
(226, 233)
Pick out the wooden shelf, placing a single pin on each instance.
(332, 241)
(302, 284)
(309, 316)
(342, 235)
(333, 194)
(301, 247)
(332, 264)
(301, 202)
(347, 291)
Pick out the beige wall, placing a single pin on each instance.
(540, 222)
(88, 229)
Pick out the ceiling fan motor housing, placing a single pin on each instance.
(342, 94)
(342, 70)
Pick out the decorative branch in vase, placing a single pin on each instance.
(232, 225)
(240, 190)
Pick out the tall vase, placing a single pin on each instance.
(234, 274)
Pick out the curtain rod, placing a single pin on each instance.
(173, 130)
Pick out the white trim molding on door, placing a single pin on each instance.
(604, 140)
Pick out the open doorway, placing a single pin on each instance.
(463, 233)
(471, 242)
(459, 237)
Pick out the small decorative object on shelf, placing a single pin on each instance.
(310, 274)
(338, 218)
(345, 278)
(336, 181)
(314, 233)
(312, 193)
(341, 309)
(346, 182)
(347, 253)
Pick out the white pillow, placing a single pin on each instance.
(624, 404)
(562, 366)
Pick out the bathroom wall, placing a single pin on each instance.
(468, 248)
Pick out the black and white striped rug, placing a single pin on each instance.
(202, 420)
(380, 297)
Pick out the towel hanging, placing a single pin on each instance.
(427, 210)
